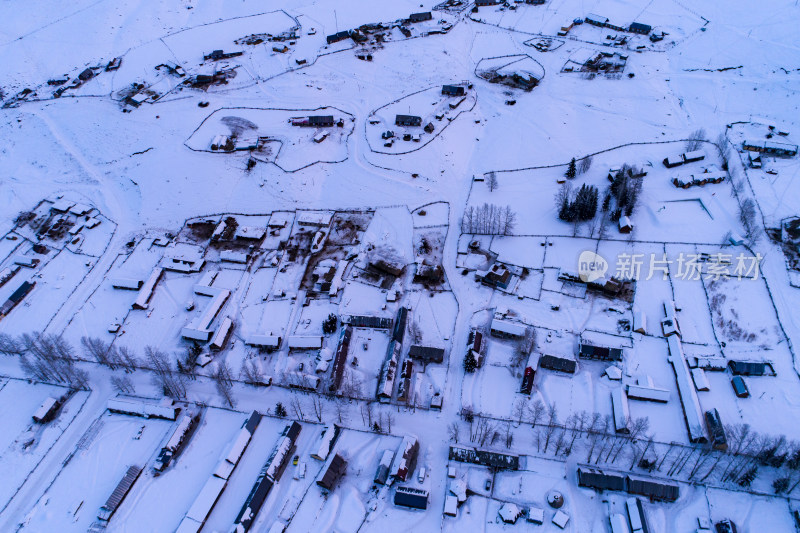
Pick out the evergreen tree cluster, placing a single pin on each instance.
(625, 189)
(581, 207)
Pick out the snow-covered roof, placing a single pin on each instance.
(509, 512)
(560, 519)
(510, 328)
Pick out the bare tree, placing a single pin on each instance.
(747, 216)
(724, 150)
(251, 372)
(491, 181)
(695, 140)
(223, 379)
(488, 219)
(525, 346)
(10, 346)
(536, 412)
(123, 384)
(318, 407)
(127, 359)
(367, 413)
(509, 435)
(585, 164)
(99, 350)
(414, 332)
(520, 408)
(172, 383)
(297, 407)
(351, 385)
(508, 221)
(340, 408)
(50, 358)
(453, 432)
(552, 424)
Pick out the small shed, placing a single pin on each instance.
(561, 519)
(640, 322)
(625, 224)
(700, 379)
(535, 515)
(451, 505)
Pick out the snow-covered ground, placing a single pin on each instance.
(109, 175)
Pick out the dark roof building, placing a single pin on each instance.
(771, 147)
(484, 458)
(419, 17)
(336, 469)
(637, 27)
(339, 36)
(375, 322)
(600, 480)
(557, 363)
(16, 297)
(400, 324)
(748, 368)
(589, 351)
(322, 121)
(653, 489)
(86, 75)
(429, 354)
(740, 387)
(411, 498)
(408, 120)
(453, 90)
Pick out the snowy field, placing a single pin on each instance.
(174, 224)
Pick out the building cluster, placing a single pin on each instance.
(604, 22)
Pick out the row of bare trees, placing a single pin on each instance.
(747, 450)
(488, 219)
(51, 358)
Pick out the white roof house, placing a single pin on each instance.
(509, 513)
(511, 329)
(561, 519)
(451, 505)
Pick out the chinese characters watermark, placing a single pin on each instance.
(684, 266)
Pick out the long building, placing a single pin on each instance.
(134, 407)
(692, 413)
(270, 475)
(123, 487)
(619, 403)
(501, 461)
(654, 489)
(209, 495)
(340, 358)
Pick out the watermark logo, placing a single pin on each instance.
(591, 266)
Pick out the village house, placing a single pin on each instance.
(771, 148)
(420, 17)
(453, 90)
(408, 120)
